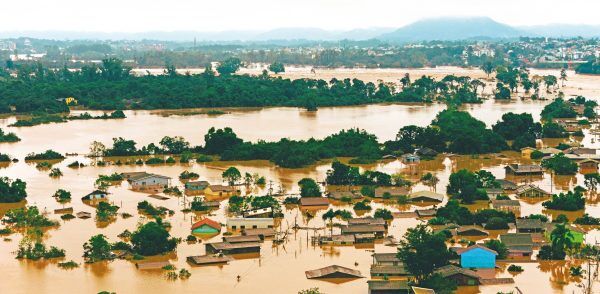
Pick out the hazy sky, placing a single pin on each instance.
(217, 15)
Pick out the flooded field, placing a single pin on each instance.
(279, 268)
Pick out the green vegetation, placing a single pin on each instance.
(515, 268)
(231, 175)
(309, 188)
(68, 264)
(117, 114)
(62, 195)
(8, 137)
(152, 238)
(187, 175)
(39, 120)
(560, 164)
(5, 158)
(518, 127)
(422, 251)
(558, 108)
(468, 186)
(55, 173)
(571, 201)
(155, 212)
(454, 213)
(362, 205)
(497, 246)
(97, 249)
(46, 155)
(561, 240)
(28, 217)
(586, 219)
(37, 250)
(553, 130)
(12, 191)
(383, 213)
(105, 211)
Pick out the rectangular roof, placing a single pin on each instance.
(208, 259)
(529, 224)
(332, 269)
(230, 246)
(314, 201)
(516, 239)
(356, 229)
(386, 257)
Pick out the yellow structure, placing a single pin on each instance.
(221, 191)
(526, 152)
(70, 101)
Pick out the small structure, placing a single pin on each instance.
(549, 151)
(365, 238)
(580, 151)
(494, 192)
(388, 287)
(367, 221)
(419, 290)
(63, 210)
(471, 231)
(386, 259)
(314, 201)
(526, 152)
(95, 195)
(221, 191)
(152, 265)
(426, 196)
(506, 205)
(339, 195)
(241, 239)
(519, 244)
(390, 192)
(506, 184)
(266, 212)
(462, 276)
(377, 230)
(588, 165)
(209, 259)
(159, 197)
(146, 181)
(261, 233)
(477, 256)
(529, 225)
(83, 215)
(232, 248)
(242, 223)
(524, 169)
(206, 226)
(531, 191)
(337, 240)
(389, 271)
(410, 158)
(430, 212)
(333, 271)
(196, 186)
(426, 151)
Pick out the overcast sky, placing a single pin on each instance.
(218, 15)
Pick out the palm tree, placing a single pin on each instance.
(561, 237)
(329, 215)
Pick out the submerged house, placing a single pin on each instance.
(337, 240)
(266, 212)
(196, 187)
(410, 158)
(339, 195)
(386, 259)
(519, 244)
(241, 223)
(477, 256)
(506, 184)
(388, 287)
(531, 191)
(529, 225)
(313, 201)
(361, 230)
(524, 169)
(389, 271)
(471, 231)
(146, 181)
(333, 271)
(206, 226)
(221, 191)
(462, 276)
(513, 206)
(426, 196)
(232, 248)
(390, 192)
(588, 165)
(95, 195)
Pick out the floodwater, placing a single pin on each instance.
(280, 268)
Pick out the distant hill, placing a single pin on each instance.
(452, 29)
(563, 30)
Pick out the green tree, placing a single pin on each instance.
(152, 239)
(497, 246)
(591, 181)
(422, 251)
(277, 67)
(229, 66)
(96, 249)
(231, 175)
(309, 188)
(560, 164)
(12, 191)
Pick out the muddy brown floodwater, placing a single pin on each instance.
(280, 268)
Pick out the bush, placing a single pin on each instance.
(571, 201)
(155, 160)
(46, 155)
(12, 191)
(536, 154)
(496, 223)
(152, 239)
(362, 205)
(515, 268)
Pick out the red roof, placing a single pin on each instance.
(209, 222)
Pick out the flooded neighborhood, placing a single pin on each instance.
(321, 147)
